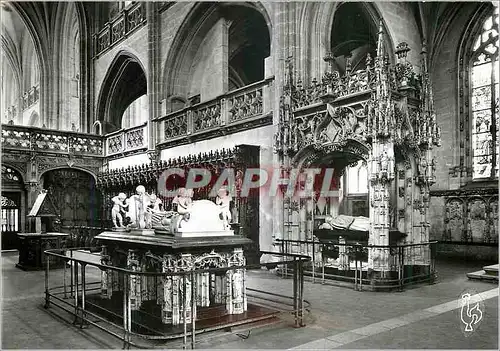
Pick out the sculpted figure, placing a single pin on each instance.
(184, 202)
(117, 210)
(138, 208)
(224, 200)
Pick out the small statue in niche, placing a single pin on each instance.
(118, 209)
(224, 201)
(384, 162)
(422, 169)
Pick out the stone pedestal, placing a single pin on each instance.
(175, 254)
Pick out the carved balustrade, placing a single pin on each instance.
(237, 110)
(45, 140)
(126, 140)
(120, 27)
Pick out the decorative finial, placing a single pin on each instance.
(380, 43)
(402, 50)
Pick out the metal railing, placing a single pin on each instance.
(406, 264)
(79, 298)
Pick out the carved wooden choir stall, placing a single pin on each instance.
(382, 115)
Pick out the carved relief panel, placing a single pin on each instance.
(454, 221)
(493, 214)
(477, 226)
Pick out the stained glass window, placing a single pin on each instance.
(484, 100)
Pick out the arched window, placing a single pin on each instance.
(484, 97)
(75, 62)
(357, 179)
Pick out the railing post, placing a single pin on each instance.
(402, 267)
(322, 263)
(83, 265)
(126, 310)
(313, 260)
(295, 292)
(356, 267)
(301, 296)
(194, 284)
(47, 268)
(75, 268)
(190, 126)
(71, 272)
(64, 277)
(224, 112)
(184, 308)
(110, 34)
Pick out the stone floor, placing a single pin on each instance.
(425, 316)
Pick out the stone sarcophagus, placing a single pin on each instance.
(174, 245)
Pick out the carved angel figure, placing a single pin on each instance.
(117, 210)
(184, 202)
(224, 200)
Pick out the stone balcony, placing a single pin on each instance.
(240, 109)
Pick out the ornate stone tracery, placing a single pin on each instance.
(384, 115)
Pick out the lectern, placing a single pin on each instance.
(32, 245)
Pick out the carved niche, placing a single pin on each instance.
(493, 214)
(477, 226)
(454, 221)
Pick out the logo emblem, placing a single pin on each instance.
(471, 311)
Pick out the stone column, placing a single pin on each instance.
(153, 24)
(381, 175)
(179, 299)
(166, 298)
(133, 263)
(343, 257)
(106, 276)
(236, 302)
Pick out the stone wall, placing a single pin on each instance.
(462, 211)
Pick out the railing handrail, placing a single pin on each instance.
(328, 242)
(54, 252)
(251, 86)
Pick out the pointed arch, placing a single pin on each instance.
(34, 120)
(124, 82)
(190, 35)
(33, 16)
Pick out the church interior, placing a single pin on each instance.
(275, 175)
